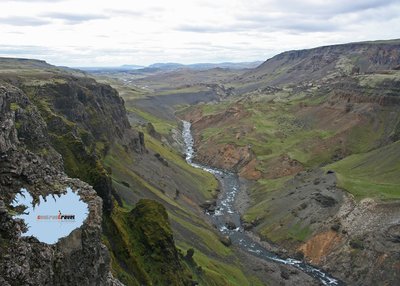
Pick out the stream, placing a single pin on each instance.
(225, 213)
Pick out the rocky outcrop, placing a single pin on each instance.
(29, 161)
(384, 93)
(362, 244)
(225, 156)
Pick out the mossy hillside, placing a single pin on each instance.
(276, 228)
(131, 264)
(207, 240)
(94, 107)
(371, 174)
(143, 247)
(155, 234)
(126, 176)
(162, 126)
(123, 264)
(286, 231)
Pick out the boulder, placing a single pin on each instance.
(225, 240)
(230, 225)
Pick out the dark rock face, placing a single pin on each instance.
(325, 201)
(152, 132)
(29, 161)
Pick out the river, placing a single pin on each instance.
(226, 213)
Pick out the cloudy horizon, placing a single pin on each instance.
(111, 33)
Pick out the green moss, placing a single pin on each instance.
(299, 232)
(14, 106)
(124, 265)
(162, 126)
(143, 246)
(18, 125)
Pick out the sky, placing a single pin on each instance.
(81, 33)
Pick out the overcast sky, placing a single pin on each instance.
(115, 32)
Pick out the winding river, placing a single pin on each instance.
(226, 214)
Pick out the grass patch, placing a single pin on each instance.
(14, 106)
(161, 125)
(209, 240)
(372, 174)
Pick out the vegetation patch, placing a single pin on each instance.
(372, 174)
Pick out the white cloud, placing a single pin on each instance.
(102, 32)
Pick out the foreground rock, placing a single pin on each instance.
(28, 161)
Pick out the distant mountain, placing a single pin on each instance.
(132, 67)
(206, 66)
(225, 65)
(167, 67)
(118, 68)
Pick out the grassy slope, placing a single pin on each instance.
(371, 174)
